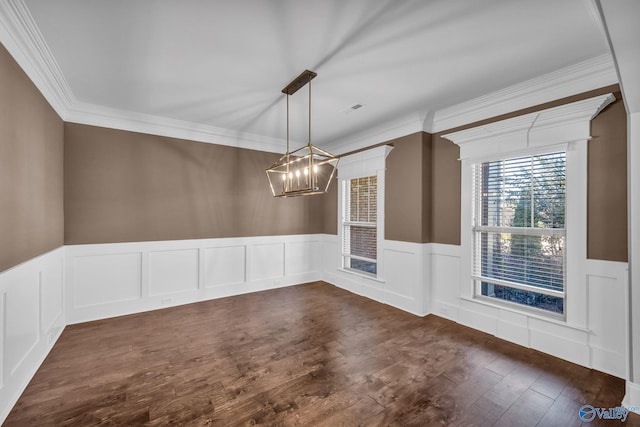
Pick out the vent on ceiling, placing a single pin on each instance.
(352, 108)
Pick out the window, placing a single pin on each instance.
(523, 211)
(361, 214)
(519, 230)
(359, 224)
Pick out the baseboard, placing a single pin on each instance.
(631, 399)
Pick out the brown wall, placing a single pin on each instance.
(31, 168)
(328, 205)
(607, 182)
(607, 190)
(123, 186)
(445, 202)
(407, 189)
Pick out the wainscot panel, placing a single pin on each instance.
(602, 345)
(31, 320)
(403, 285)
(106, 280)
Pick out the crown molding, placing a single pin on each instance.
(553, 126)
(21, 37)
(95, 115)
(579, 78)
(387, 131)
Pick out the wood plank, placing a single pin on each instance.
(306, 355)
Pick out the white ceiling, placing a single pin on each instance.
(223, 63)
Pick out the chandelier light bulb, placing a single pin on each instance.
(306, 171)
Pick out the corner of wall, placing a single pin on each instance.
(32, 318)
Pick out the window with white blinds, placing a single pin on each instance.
(359, 224)
(519, 230)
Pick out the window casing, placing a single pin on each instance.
(519, 232)
(360, 224)
(565, 128)
(361, 182)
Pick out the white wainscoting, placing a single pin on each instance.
(602, 345)
(404, 285)
(31, 320)
(88, 282)
(106, 280)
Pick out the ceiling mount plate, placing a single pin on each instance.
(305, 77)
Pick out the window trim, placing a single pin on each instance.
(359, 165)
(562, 128)
(346, 183)
(521, 231)
(575, 298)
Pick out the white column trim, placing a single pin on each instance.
(633, 190)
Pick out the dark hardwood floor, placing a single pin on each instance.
(304, 355)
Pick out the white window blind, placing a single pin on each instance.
(519, 230)
(359, 224)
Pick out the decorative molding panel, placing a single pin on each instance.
(225, 265)
(173, 271)
(602, 345)
(579, 78)
(52, 291)
(420, 278)
(22, 320)
(31, 320)
(266, 261)
(403, 284)
(113, 278)
(153, 275)
(303, 257)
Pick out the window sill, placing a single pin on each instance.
(524, 312)
(363, 275)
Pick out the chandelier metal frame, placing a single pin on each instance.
(308, 170)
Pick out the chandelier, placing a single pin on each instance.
(308, 170)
